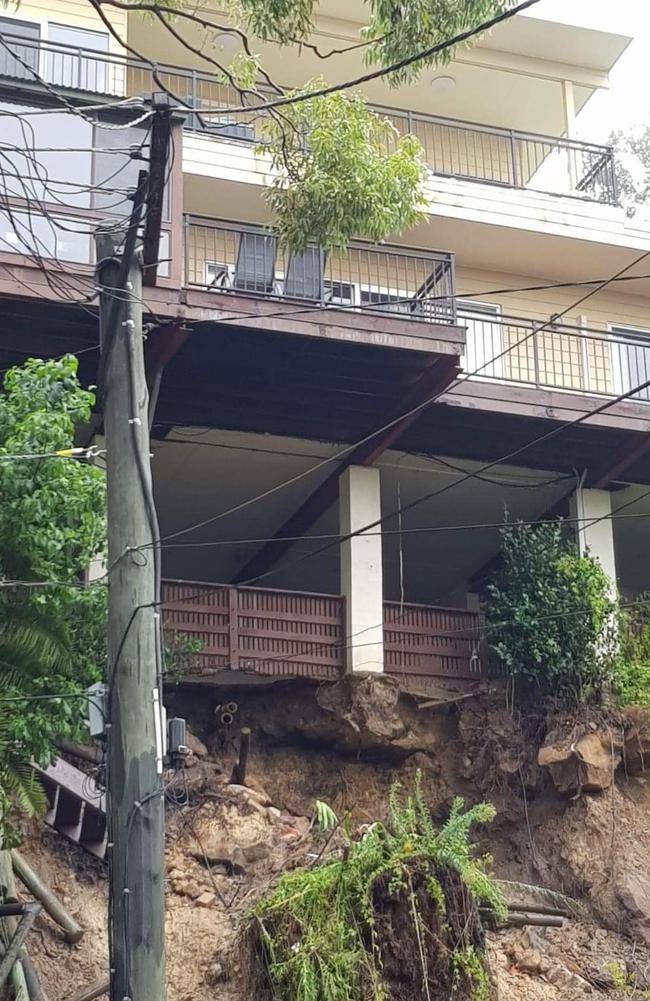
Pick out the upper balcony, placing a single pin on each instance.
(506, 158)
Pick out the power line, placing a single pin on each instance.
(419, 530)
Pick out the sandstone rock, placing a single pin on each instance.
(259, 795)
(218, 851)
(584, 765)
(636, 746)
(206, 899)
(633, 893)
(196, 746)
(256, 852)
(274, 815)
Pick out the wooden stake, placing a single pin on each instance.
(238, 776)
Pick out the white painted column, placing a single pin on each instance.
(569, 113)
(595, 529)
(361, 569)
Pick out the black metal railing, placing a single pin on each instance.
(240, 259)
(515, 349)
(466, 150)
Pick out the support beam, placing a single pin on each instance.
(606, 476)
(435, 379)
(162, 344)
(361, 570)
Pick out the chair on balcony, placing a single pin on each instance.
(305, 274)
(255, 267)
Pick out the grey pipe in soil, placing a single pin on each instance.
(53, 906)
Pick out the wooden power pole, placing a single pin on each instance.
(135, 800)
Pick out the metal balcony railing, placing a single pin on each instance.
(241, 259)
(560, 356)
(505, 157)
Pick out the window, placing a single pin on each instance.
(116, 169)
(29, 233)
(67, 173)
(22, 37)
(70, 59)
(484, 338)
(630, 359)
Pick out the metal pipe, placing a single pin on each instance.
(15, 945)
(42, 892)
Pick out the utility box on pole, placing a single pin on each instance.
(135, 800)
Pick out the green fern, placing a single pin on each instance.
(315, 932)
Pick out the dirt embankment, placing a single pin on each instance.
(346, 744)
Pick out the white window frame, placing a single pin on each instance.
(480, 309)
(621, 385)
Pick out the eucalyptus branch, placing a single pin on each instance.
(155, 8)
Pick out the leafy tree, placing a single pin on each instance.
(343, 171)
(632, 166)
(550, 615)
(348, 173)
(52, 523)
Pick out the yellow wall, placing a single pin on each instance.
(556, 357)
(76, 13)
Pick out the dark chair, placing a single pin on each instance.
(305, 274)
(255, 267)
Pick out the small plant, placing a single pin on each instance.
(632, 669)
(626, 983)
(326, 819)
(181, 653)
(330, 932)
(550, 615)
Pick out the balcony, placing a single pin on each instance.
(243, 260)
(605, 363)
(291, 634)
(470, 151)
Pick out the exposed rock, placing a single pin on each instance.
(633, 893)
(206, 899)
(259, 795)
(636, 746)
(196, 746)
(586, 764)
(220, 851)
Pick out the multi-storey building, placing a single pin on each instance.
(276, 367)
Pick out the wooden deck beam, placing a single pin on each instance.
(434, 380)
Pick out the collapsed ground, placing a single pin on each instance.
(579, 824)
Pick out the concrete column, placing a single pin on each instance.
(361, 569)
(569, 113)
(596, 538)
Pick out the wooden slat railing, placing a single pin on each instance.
(423, 643)
(278, 633)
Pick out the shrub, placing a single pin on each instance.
(632, 668)
(550, 616)
(400, 905)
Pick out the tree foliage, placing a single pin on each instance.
(399, 30)
(318, 933)
(550, 615)
(342, 172)
(632, 165)
(632, 670)
(52, 524)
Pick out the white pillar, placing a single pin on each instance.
(569, 113)
(361, 569)
(595, 529)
